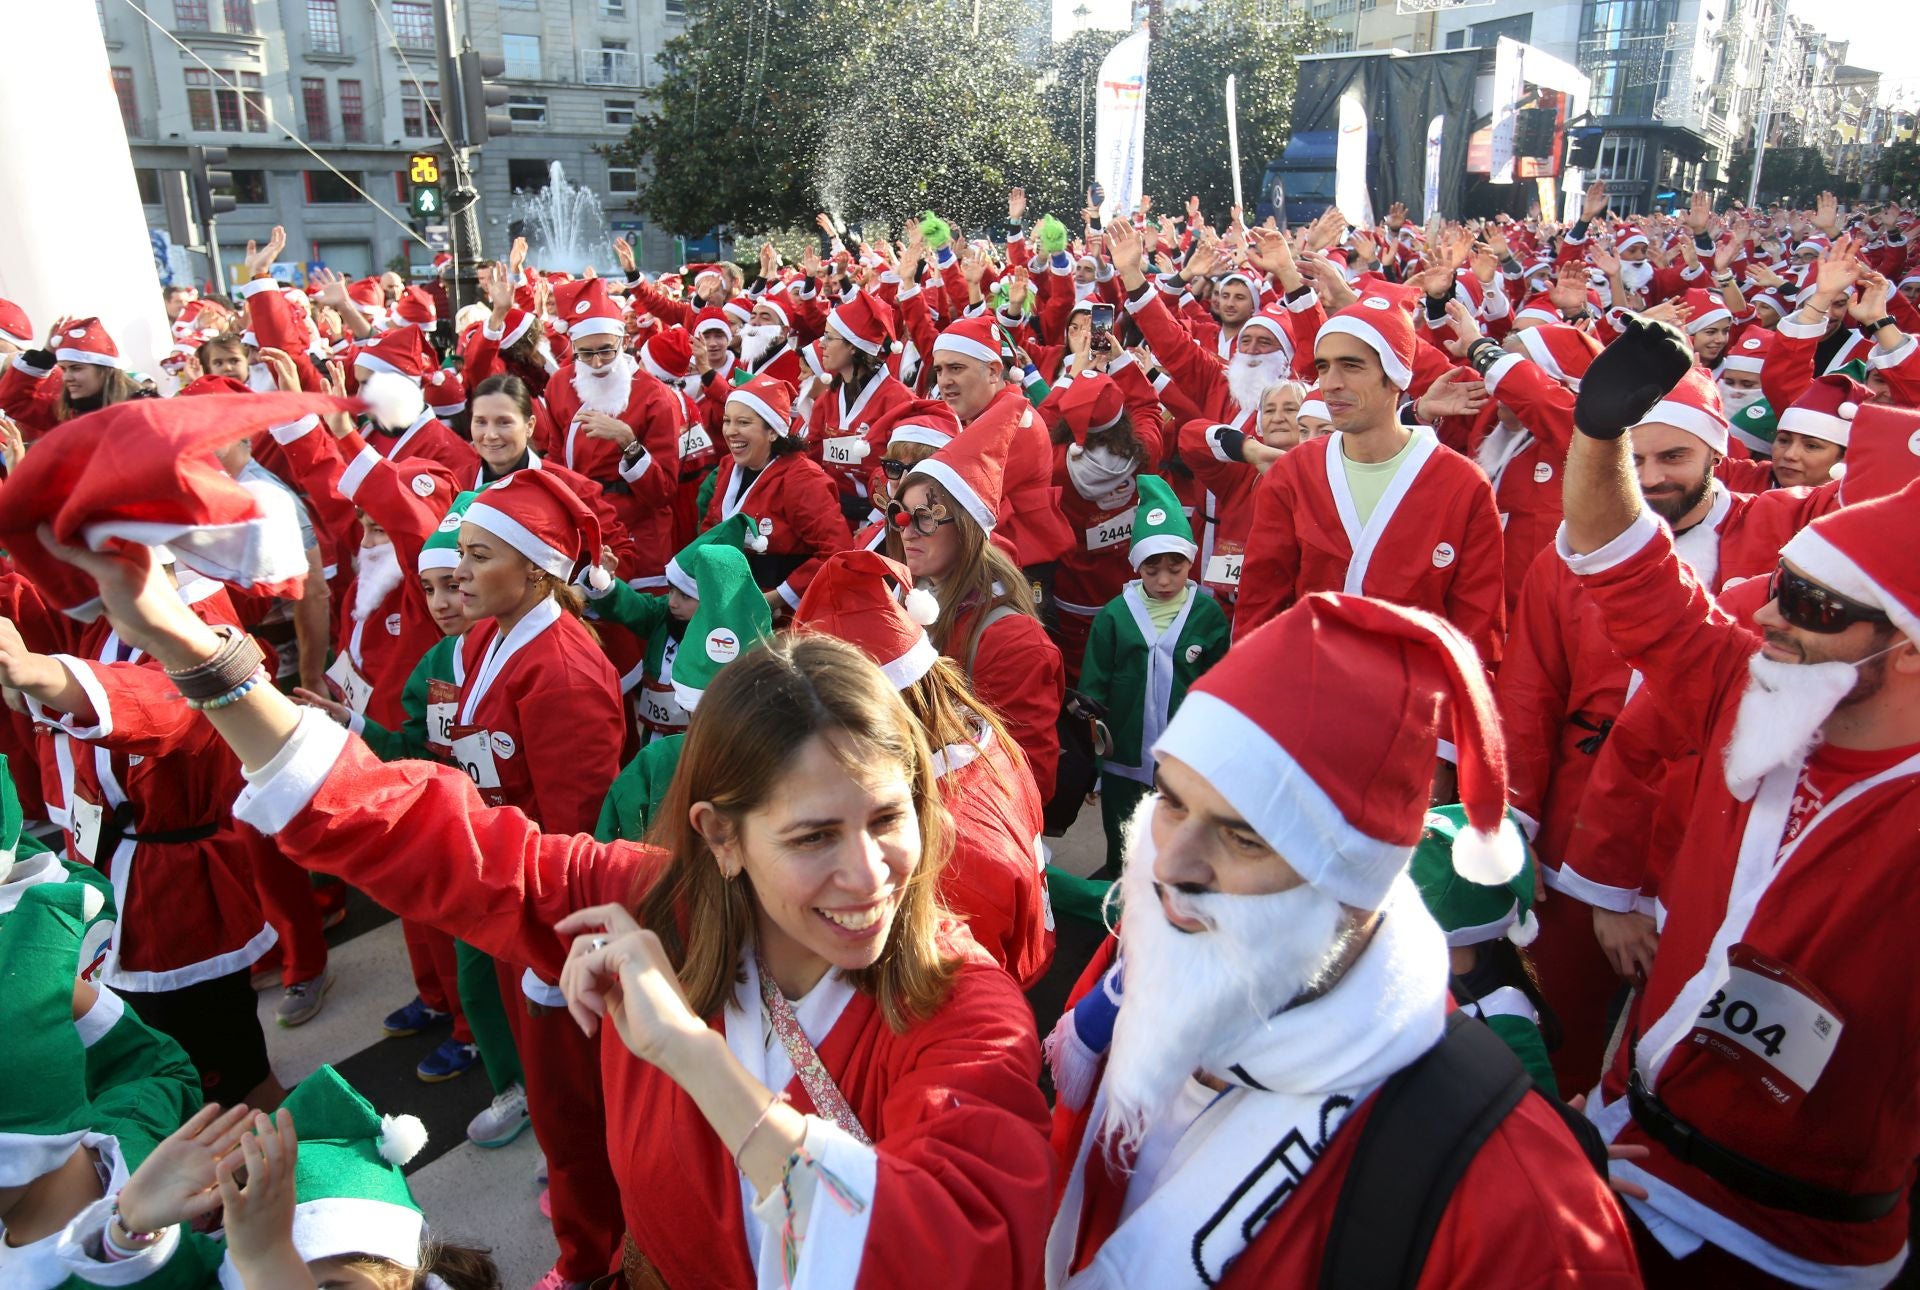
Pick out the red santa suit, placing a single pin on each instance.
(790, 498)
(428, 438)
(1228, 488)
(959, 1174)
(842, 427)
(1790, 904)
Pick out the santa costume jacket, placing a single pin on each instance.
(642, 494)
(798, 513)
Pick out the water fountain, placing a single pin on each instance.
(565, 229)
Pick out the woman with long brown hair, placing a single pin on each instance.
(78, 371)
(828, 1090)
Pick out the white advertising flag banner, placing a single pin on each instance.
(1436, 129)
(1120, 125)
(1350, 162)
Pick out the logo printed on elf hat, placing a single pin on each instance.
(393, 624)
(1443, 555)
(722, 645)
(1157, 516)
(1377, 302)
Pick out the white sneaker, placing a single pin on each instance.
(504, 1119)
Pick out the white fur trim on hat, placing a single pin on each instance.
(1742, 363)
(1717, 314)
(1817, 425)
(741, 394)
(338, 1225)
(596, 326)
(846, 333)
(518, 536)
(1813, 555)
(949, 479)
(1160, 544)
(966, 347)
(712, 324)
(1397, 372)
(910, 433)
(1685, 416)
(912, 665)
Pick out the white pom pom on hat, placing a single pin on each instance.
(1849, 410)
(401, 1138)
(1524, 930)
(922, 606)
(1491, 859)
(393, 401)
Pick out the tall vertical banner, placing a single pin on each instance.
(1350, 162)
(1436, 134)
(1120, 125)
(80, 249)
(1509, 88)
(1233, 140)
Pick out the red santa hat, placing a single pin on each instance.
(870, 601)
(588, 309)
(774, 302)
(712, 319)
(14, 325)
(970, 469)
(737, 311)
(366, 294)
(1861, 552)
(415, 308)
(142, 473)
(977, 338)
(1772, 300)
(1337, 778)
(402, 351)
(1749, 353)
(446, 392)
(1563, 352)
(1382, 326)
(1252, 283)
(1314, 404)
(1826, 408)
(770, 399)
(1538, 309)
(1706, 309)
(1694, 406)
(1272, 320)
(215, 385)
(1883, 455)
(668, 355)
(1091, 402)
(1629, 235)
(925, 421)
(816, 365)
(539, 516)
(863, 323)
(84, 340)
(700, 273)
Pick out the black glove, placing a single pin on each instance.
(1629, 376)
(41, 360)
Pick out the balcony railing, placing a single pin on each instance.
(609, 67)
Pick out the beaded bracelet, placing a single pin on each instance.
(238, 658)
(142, 1241)
(230, 697)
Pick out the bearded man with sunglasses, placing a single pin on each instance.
(1770, 1060)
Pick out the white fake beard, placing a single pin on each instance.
(1635, 276)
(379, 573)
(1249, 375)
(756, 342)
(1191, 999)
(1736, 400)
(1780, 716)
(260, 379)
(605, 389)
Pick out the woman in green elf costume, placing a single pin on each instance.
(1148, 644)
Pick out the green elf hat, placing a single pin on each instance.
(733, 614)
(1755, 424)
(442, 547)
(739, 531)
(349, 1194)
(1856, 368)
(1159, 524)
(43, 1066)
(1051, 235)
(937, 232)
(1470, 912)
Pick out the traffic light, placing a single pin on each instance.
(207, 173)
(425, 199)
(482, 96)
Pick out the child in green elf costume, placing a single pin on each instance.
(1487, 929)
(1145, 648)
(661, 621)
(730, 616)
(323, 1201)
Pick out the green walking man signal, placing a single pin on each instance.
(423, 174)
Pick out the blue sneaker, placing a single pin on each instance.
(449, 1061)
(412, 1019)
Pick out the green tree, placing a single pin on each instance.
(1900, 170)
(1797, 175)
(771, 110)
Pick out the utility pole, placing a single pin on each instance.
(1771, 58)
(463, 200)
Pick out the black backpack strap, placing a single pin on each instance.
(1426, 1125)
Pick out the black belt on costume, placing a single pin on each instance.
(1747, 1176)
(1591, 744)
(117, 824)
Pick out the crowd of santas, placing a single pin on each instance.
(1135, 515)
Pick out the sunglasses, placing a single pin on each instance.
(924, 522)
(1814, 608)
(894, 468)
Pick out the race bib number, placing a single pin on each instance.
(355, 692)
(1111, 532)
(1771, 1023)
(661, 709)
(1224, 570)
(473, 752)
(86, 827)
(443, 706)
(696, 439)
(841, 450)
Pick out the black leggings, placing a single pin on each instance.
(217, 1022)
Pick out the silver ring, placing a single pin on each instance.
(597, 943)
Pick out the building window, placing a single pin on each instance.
(353, 113)
(613, 8)
(619, 111)
(527, 109)
(249, 187)
(323, 25)
(528, 6)
(190, 15)
(1340, 43)
(254, 101)
(200, 99)
(417, 107)
(676, 9)
(527, 174)
(522, 56)
(123, 90)
(313, 103)
(349, 259)
(623, 181)
(240, 15)
(324, 188)
(413, 24)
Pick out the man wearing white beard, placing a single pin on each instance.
(1276, 971)
(1765, 1024)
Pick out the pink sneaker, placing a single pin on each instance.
(554, 1281)
(546, 1204)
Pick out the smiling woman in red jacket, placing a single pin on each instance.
(804, 840)
(767, 474)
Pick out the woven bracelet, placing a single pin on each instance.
(237, 660)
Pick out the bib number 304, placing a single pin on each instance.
(1771, 1022)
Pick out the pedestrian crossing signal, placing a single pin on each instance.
(425, 169)
(426, 202)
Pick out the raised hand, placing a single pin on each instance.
(286, 377)
(1839, 269)
(177, 1181)
(1870, 304)
(1455, 393)
(1826, 214)
(258, 1214)
(1699, 216)
(1629, 376)
(1269, 252)
(624, 250)
(1466, 328)
(1127, 250)
(260, 259)
(1596, 203)
(1396, 216)
(618, 971)
(517, 256)
(13, 445)
(1016, 204)
(1569, 291)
